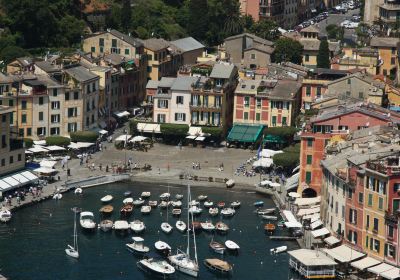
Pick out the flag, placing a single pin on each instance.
(259, 151)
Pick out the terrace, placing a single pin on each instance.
(387, 167)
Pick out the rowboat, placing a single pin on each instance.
(218, 266)
(106, 198)
(269, 228)
(258, 203)
(265, 211)
(221, 204)
(217, 247)
(126, 210)
(107, 209)
(278, 250)
(231, 245)
(271, 218)
(221, 227)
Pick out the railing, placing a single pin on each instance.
(324, 272)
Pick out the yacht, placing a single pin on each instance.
(165, 196)
(208, 204)
(235, 204)
(213, 211)
(207, 226)
(162, 247)
(228, 212)
(137, 246)
(160, 268)
(86, 220)
(107, 198)
(137, 226)
(145, 194)
(73, 251)
(138, 202)
(121, 226)
(5, 215)
(145, 209)
(195, 210)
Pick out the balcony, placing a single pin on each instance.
(16, 144)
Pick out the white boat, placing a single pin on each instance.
(221, 227)
(195, 210)
(231, 245)
(202, 197)
(137, 246)
(230, 183)
(178, 196)
(137, 226)
(78, 191)
(213, 211)
(207, 226)
(128, 200)
(57, 196)
(87, 220)
(138, 202)
(73, 251)
(163, 204)
(278, 250)
(162, 247)
(121, 225)
(160, 268)
(176, 204)
(107, 198)
(235, 204)
(271, 218)
(165, 196)
(194, 203)
(176, 211)
(208, 204)
(228, 212)
(145, 194)
(217, 247)
(106, 225)
(265, 211)
(166, 227)
(145, 209)
(5, 215)
(180, 225)
(153, 203)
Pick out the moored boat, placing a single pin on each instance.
(121, 226)
(221, 204)
(146, 209)
(176, 204)
(235, 204)
(137, 226)
(269, 228)
(166, 227)
(207, 226)
(228, 212)
(265, 211)
(137, 246)
(159, 268)
(270, 218)
(217, 247)
(107, 198)
(138, 202)
(221, 227)
(107, 209)
(163, 204)
(5, 215)
(178, 196)
(278, 250)
(106, 225)
(194, 203)
(86, 220)
(202, 197)
(195, 210)
(162, 247)
(126, 210)
(153, 203)
(127, 193)
(57, 196)
(78, 191)
(180, 226)
(145, 194)
(233, 246)
(258, 203)
(165, 196)
(230, 183)
(218, 266)
(128, 200)
(213, 211)
(208, 204)
(176, 211)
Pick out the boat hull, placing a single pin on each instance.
(217, 270)
(157, 274)
(183, 269)
(72, 253)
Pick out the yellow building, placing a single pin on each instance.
(363, 58)
(309, 40)
(104, 92)
(393, 95)
(387, 49)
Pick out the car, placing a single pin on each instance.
(344, 23)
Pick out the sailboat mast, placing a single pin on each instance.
(75, 234)
(188, 225)
(167, 204)
(194, 235)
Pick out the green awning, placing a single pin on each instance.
(245, 133)
(273, 139)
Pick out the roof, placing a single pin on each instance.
(222, 71)
(365, 263)
(248, 86)
(81, 74)
(343, 254)
(384, 42)
(156, 44)
(311, 257)
(284, 89)
(379, 269)
(91, 6)
(245, 133)
(183, 83)
(25, 61)
(261, 48)
(125, 37)
(151, 84)
(311, 28)
(391, 274)
(47, 66)
(252, 36)
(187, 44)
(320, 232)
(114, 59)
(331, 240)
(166, 82)
(310, 44)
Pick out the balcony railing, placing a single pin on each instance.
(383, 168)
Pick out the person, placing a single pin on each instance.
(107, 168)
(100, 166)
(93, 166)
(193, 165)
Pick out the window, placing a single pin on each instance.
(348, 81)
(55, 105)
(3, 162)
(155, 57)
(284, 121)
(41, 100)
(246, 115)
(149, 57)
(23, 118)
(93, 87)
(161, 118)
(162, 103)
(11, 159)
(308, 91)
(390, 251)
(19, 157)
(273, 120)
(336, 207)
(376, 224)
(72, 112)
(3, 118)
(308, 177)
(360, 197)
(149, 69)
(370, 199)
(114, 43)
(126, 51)
(72, 127)
(258, 116)
(179, 100)
(380, 203)
(309, 159)
(353, 216)
(253, 56)
(76, 95)
(258, 102)
(390, 231)
(92, 118)
(318, 92)
(180, 117)
(40, 116)
(361, 95)
(393, 50)
(367, 223)
(396, 204)
(10, 103)
(393, 61)
(88, 106)
(55, 118)
(307, 57)
(309, 142)
(384, 72)
(21, 132)
(23, 104)
(55, 131)
(101, 42)
(41, 131)
(93, 49)
(29, 131)
(87, 121)
(377, 245)
(55, 92)
(67, 96)
(396, 187)
(348, 93)
(247, 101)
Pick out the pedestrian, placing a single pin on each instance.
(193, 165)
(93, 168)
(100, 166)
(159, 170)
(199, 166)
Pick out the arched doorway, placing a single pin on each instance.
(309, 192)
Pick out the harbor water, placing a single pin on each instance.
(32, 244)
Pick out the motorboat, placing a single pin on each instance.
(181, 226)
(165, 196)
(217, 247)
(106, 210)
(194, 203)
(57, 196)
(235, 204)
(78, 191)
(221, 204)
(195, 210)
(128, 200)
(265, 211)
(166, 227)
(202, 197)
(86, 220)
(230, 183)
(106, 225)
(213, 211)
(221, 227)
(218, 266)
(153, 203)
(121, 225)
(126, 210)
(145, 194)
(73, 251)
(106, 199)
(137, 226)
(127, 193)
(228, 212)
(271, 218)
(5, 215)
(176, 211)
(146, 209)
(163, 204)
(137, 246)
(160, 268)
(207, 226)
(162, 247)
(178, 196)
(183, 263)
(231, 245)
(259, 204)
(208, 204)
(176, 204)
(278, 250)
(269, 228)
(138, 202)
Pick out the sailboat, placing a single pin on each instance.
(72, 251)
(166, 227)
(182, 261)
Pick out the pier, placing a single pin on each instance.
(284, 238)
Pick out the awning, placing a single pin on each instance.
(320, 232)
(391, 274)
(29, 175)
(195, 131)
(307, 201)
(138, 139)
(102, 132)
(123, 138)
(263, 162)
(39, 142)
(291, 219)
(273, 139)
(293, 182)
(293, 225)
(344, 254)
(381, 268)
(20, 178)
(294, 195)
(80, 145)
(45, 170)
(245, 133)
(365, 263)
(316, 224)
(331, 240)
(48, 163)
(149, 127)
(200, 138)
(37, 150)
(191, 137)
(308, 211)
(27, 152)
(275, 184)
(265, 183)
(54, 148)
(4, 186)
(312, 217)
(267, 153)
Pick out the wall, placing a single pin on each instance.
(234, 48)
(261, 59)
(180, 108)
(307, 99)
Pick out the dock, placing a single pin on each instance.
(285, 238)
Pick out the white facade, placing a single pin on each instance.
(180, 107)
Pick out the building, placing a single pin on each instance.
(371, 11)
(162, 101)
(290, 14)
(264, 9)
(21, 65)
(389, 11)
(363, 58)
(105, 85)
(189, 48)
(388, 56)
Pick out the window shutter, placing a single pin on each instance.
(176, 116)
(386, 249)
(184, 117)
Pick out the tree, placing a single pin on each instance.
(126, 15)
(289, 159)
(286, 132)
(71, 30)
(323, 60)
(12, 52)
(84, 136)
(266, 29)
(287, 49)
(58, 141)
(247, 22)
(332, 31)
(197, 24)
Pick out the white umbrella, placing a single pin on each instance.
(265, 183)
(263, 162)
(275, 185)
(294, 195)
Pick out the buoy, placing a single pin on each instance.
(262, 262)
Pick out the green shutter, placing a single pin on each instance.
(258, 116)
(309, 159)
(308, 177)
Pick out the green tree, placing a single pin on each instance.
(289, 159)
(113, 19)
(84, 136)
(72, 30)
(58, 141)
(247, 22)
(287, 49)
(126, 15)
(10, 53)
(266, 29)
(197, 24)
(323, 60)
(332, 31)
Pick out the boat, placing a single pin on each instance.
(106, 225)
(165, 196)
(194, 203)
(73, 251)
(258, 203)
(271, 218)
(221, 227)
(145, 194)
(5, 215)
(235, 204)
(213, 211)
(160, 268)
(278, 250)
(231, 245)
(217, 247)
(153, 203)
(269, 228)
(121, 226)
(138, 202)
(87, 220)
(202, 197)
(195, 226)
(126, 210)
(146, 209)
(195, 210)
(176, 211)
(162, 247)
(228, 212)
(128, 200)
(107, 198)
(218, 266)
(166, 227)
(208, 204)
(230, 183)
(127, 193)
(163, 204)
(265, 211)
(57, 196)
(176, 204)
(137, 246)
(180, 225)
(221, 204)
(207, 226)
(78, 191)
(178, 196)
(107, 209)
(137, 226)
(182, 261)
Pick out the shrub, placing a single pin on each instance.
(84, 136)
(174, 129)
(286, 132)
(58, 141)
(28, 142)
(133, 127)
(288, 161)
(215, 132)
